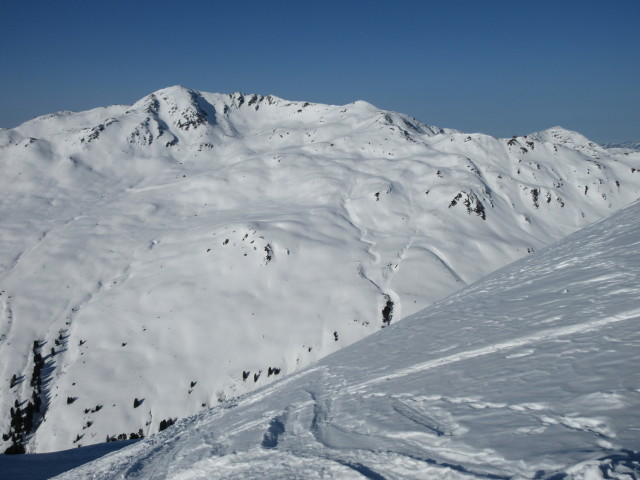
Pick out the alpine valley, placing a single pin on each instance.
(166, 257)
(529, 373)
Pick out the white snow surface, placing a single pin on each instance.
(166, 250)
(531, 372)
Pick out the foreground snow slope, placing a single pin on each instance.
(530, 373)
(175, 252)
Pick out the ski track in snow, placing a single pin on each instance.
(527, 340)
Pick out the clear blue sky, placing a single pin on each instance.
(497, 67)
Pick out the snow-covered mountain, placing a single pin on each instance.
(635, 146)
(531, 372)
(161, 258)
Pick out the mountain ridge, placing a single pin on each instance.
(630, 145)
(211, 239)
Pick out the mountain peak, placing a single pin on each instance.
(562, 135)
(177, 95)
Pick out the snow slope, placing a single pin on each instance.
(193, 246)
(531, 372)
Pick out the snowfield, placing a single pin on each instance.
(531, 372)
(166, 257)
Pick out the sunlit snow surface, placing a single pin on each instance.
(530, 373)
(166, 248)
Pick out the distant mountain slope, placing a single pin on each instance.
(162, 257)
(529, 373)
(623, 145)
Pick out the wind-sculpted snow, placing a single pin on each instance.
(160, 258)
(529, 373)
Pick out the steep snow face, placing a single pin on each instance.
(529, 373)
(160, 258)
